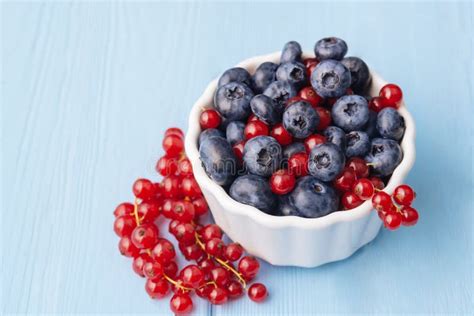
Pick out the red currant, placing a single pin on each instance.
(359, 166)
(309, 95)
(183, 211)
(298, 164)
(127, 248)
(190, 188)
(210, 231)
(170, 269)
(233, 251)
(171, 187)
(403, 195)
(392, 94)
(392, 220)
(239, 150)
(157, 289)
(172, 226)
(282, 182)
(377, 182)
(139, 262)
(181, 304)
(255, 128)
(148, 212)
(218, 296)
(123, 209)
(145, 236)
(124, 225)
(293, 100)
(220, 276)
(204, 291)
(349, 200)
(167, 208)
(324, 118)
(185, 233)
(312, 141)
(191, 252)
(185, 167)
(192, 276)
(235, 289)
(164, 251)
(346, 180)
(200, 206)
(209, 119)
(382, 202)
(364, 189)
(310, 64)
(206, 265)
(174, 131)
(214, 247)
(173, 145)
(153, 270)
(143, 189)
(248, 267)
(252, 118)
(409, 216)
(281, 135)
(257, 292)
(376, 104)
(166, 166)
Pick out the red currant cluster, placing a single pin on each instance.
(220, 272)
(390, 96)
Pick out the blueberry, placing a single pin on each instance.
(264, 75)
(235, 132)
(300, 119)
(236, 74)
(218, 160)
(390, 124)
(292, 149)
(255, 191)
(266, 109)
(293, 72)
(358, 144)
(336, 136)
(291, 52)
(233, 101)
(350, 112)
(208, 133)
(330, 79)
(330, 48)
(385, 155)
(280, 92)
(285, 208)
(371, 125)
(262, 155)
(360, 75)
(326, 161)
(313, 198)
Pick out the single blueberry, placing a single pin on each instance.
(384, 156)
(336, 136)
(326, 161)
(371, 125)
(285, 208)
(264, 76)
(255, 191)
(236, 74)
(350, 112)
(235, 132)
(218, 160)
(280, 92)
(390, 124)
(292, 149)
(291, 52)
(208, 133)
(360, 75)
(266, 109)
(233, 101)
(358, 144)
(300, 119)
(293, 72)
(313, 198)
(262, 155)
(330, 78)
(330, 48)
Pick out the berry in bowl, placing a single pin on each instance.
(294, 151)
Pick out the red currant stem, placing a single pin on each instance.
(208, 283)
(222, 263)
(135, 212)
(370, 164)
(177, 284)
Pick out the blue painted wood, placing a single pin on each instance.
(88, 89)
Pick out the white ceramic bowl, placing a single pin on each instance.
(291, 240)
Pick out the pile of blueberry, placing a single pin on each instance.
(302, 137)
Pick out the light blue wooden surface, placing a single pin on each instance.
(88, 89)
